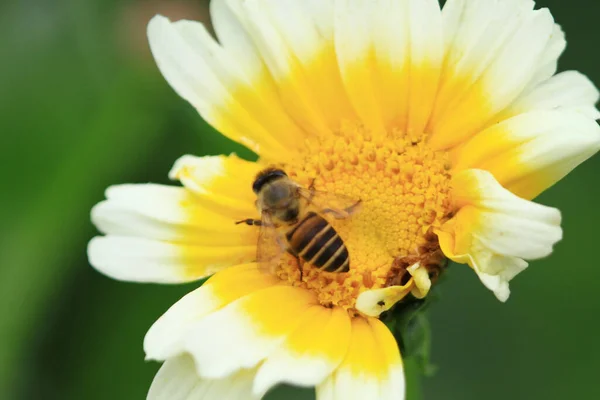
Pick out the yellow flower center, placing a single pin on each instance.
(403, 186)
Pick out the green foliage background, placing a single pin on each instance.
(83, 106)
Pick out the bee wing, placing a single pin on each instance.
(338, 206)
(271, 245)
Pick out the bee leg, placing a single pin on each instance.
(301, 268)
(250, 221)
(336, 213)
(341, 214)
(311, 190)
(300, 262)
(353, 207)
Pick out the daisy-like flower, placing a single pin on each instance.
(445, 124)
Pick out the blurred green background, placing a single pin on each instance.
(83, 106)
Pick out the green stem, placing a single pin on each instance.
(412, 371)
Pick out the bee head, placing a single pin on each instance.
(267, 176)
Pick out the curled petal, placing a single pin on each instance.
(494, 230)
(375, 301)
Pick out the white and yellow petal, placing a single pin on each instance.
(246, 331)
(177, 380)
(237, 98)
(234, 321)
(143, 260)
(480, 77)
(494, 230)
(166, 337)
(372, 368)
(390, 57)
(157, 233)
(310, 353)
(530, 152)
(296, 41)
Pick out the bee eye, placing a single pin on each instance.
(265, 177)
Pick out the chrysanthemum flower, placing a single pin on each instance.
(444, 123)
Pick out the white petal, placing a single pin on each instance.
(234, 37)
(567, 90)
(166, 213)
(177, 380)
(144, 260)
(548, 63)
(494, 229)
(151, 211)
(506, 269)
(426, 56)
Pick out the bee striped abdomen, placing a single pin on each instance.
(316, 242)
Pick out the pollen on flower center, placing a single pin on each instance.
(403, 186)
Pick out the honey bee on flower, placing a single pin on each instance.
(307, 234)
(443, 135)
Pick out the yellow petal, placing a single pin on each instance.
(421, 280)
(221, 183)
(374, 302)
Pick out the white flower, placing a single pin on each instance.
(444, 123)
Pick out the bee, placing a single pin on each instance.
(292, 220)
